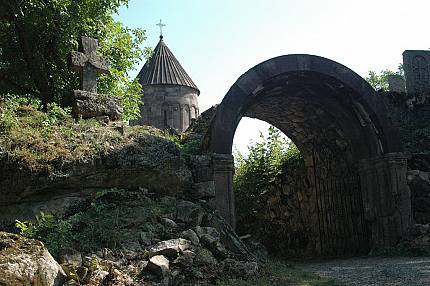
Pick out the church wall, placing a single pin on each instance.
(168, 106)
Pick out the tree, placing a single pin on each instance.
(380, 81)
(37, 35)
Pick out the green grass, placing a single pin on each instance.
(277, 272)
(39, 140)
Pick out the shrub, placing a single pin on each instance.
(55, 233)
(255, 174)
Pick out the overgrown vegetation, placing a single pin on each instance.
(192, 139)
(278, 272)
(412, 122)
(109, 220)
(37, 35)
(43, 140)
(380, 81)
(256, 173)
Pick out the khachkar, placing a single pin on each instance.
(87, 102)
(416, 64)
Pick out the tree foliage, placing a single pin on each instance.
(37, 35)
(380, 81)
(258, 171)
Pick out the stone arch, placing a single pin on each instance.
(341, 127)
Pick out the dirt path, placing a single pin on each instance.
(374, 271)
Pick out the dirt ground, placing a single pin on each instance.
(374, 271)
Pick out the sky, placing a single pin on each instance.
(217, 41)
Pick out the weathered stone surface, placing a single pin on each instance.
(207, 231)
(203, 190)
(147, 161)
(204, 257)
(189, 213)
(158, 264)
(419, 184)
(168, 109)
(191, 236)
(215, 246)
(201, 168)
(416, 64)
(27, 262)
(88, 63)
(396, 83)
(171, 97)
(317, 120)
(170, 248)
(89, 104)
(168, 223)
(186, 259)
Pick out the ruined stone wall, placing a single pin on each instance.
(168, 107)
(412, 117)
(314, 211)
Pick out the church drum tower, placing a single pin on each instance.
(170, 95)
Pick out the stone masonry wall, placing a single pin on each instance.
(168, 107)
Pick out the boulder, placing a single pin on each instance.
(207, 231)
(189, 213)
(167, 222)
(159, 265)
(214, 245)
(204, 257)
(26, 261)
(191, 236)
(186, 259)
(170, 248)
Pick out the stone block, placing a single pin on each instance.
(202, 168)
(416, 64)
(89, 104)
(203, 190)
(396, 83)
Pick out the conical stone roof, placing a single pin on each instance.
(164, 68)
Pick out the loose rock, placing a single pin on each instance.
(26, 261)
(159, 265)
(170, 248)
(191, 236)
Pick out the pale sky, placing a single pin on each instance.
(216, 41)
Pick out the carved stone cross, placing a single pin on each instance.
(88, 63)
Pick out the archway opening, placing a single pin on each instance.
(304, 204)
(337, 122)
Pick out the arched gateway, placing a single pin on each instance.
(352, 151)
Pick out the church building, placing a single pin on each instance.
(170, 95)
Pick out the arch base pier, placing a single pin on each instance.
(386, 198)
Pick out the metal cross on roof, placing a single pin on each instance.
(88, 63)
(161, 25)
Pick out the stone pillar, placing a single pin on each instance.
(203, 177)
(386, 198)
(223, 165)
